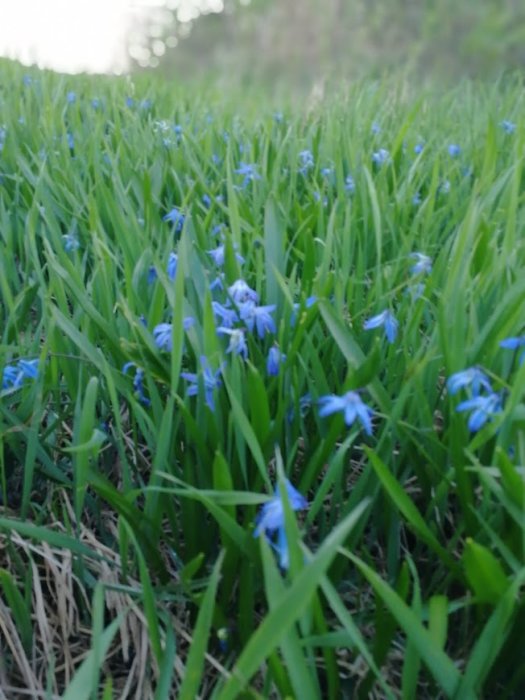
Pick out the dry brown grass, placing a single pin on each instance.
(61, 621)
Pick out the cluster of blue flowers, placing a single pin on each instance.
(240, 313)
(242, 318)
(236, 314)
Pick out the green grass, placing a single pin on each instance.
(128, 565)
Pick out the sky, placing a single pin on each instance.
(81, 35)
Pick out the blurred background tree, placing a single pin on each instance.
(299, 42)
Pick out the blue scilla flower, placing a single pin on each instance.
(95, 103)
(307, 161)
(415, 291)
(416, 199)
(163, 334)
(240, 292)
(349, 184)
(211, 381)
(224, 639)
(352, 406)
(271, 515)
(138, 382)
(306, 158)
(152, 274)
(305, 403)
(423, 264)
(375, 128)
(175, 217)
(237, 344)
(274, 360)
(381, 157)
(71, 97)
(483, 408)
(473, 378)
(29, 368)
(10, 377)
(327, 172)
(13, 375)
(258, 317)
(386, 319)
(228, 317)
(454, 150)
(508, 126)
(218, 255)
(249, 172)
(206, 200)
(172, 265)
(514, 344)
(418, 148)
(70, 141)
(71, 242)
(270, 520)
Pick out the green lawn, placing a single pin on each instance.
(325, 497)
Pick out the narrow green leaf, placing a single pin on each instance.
(193, 673)
(484, 573)
(81, 685)
(249, 435)
(438, 619)
(19, 609)
(274, 240)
